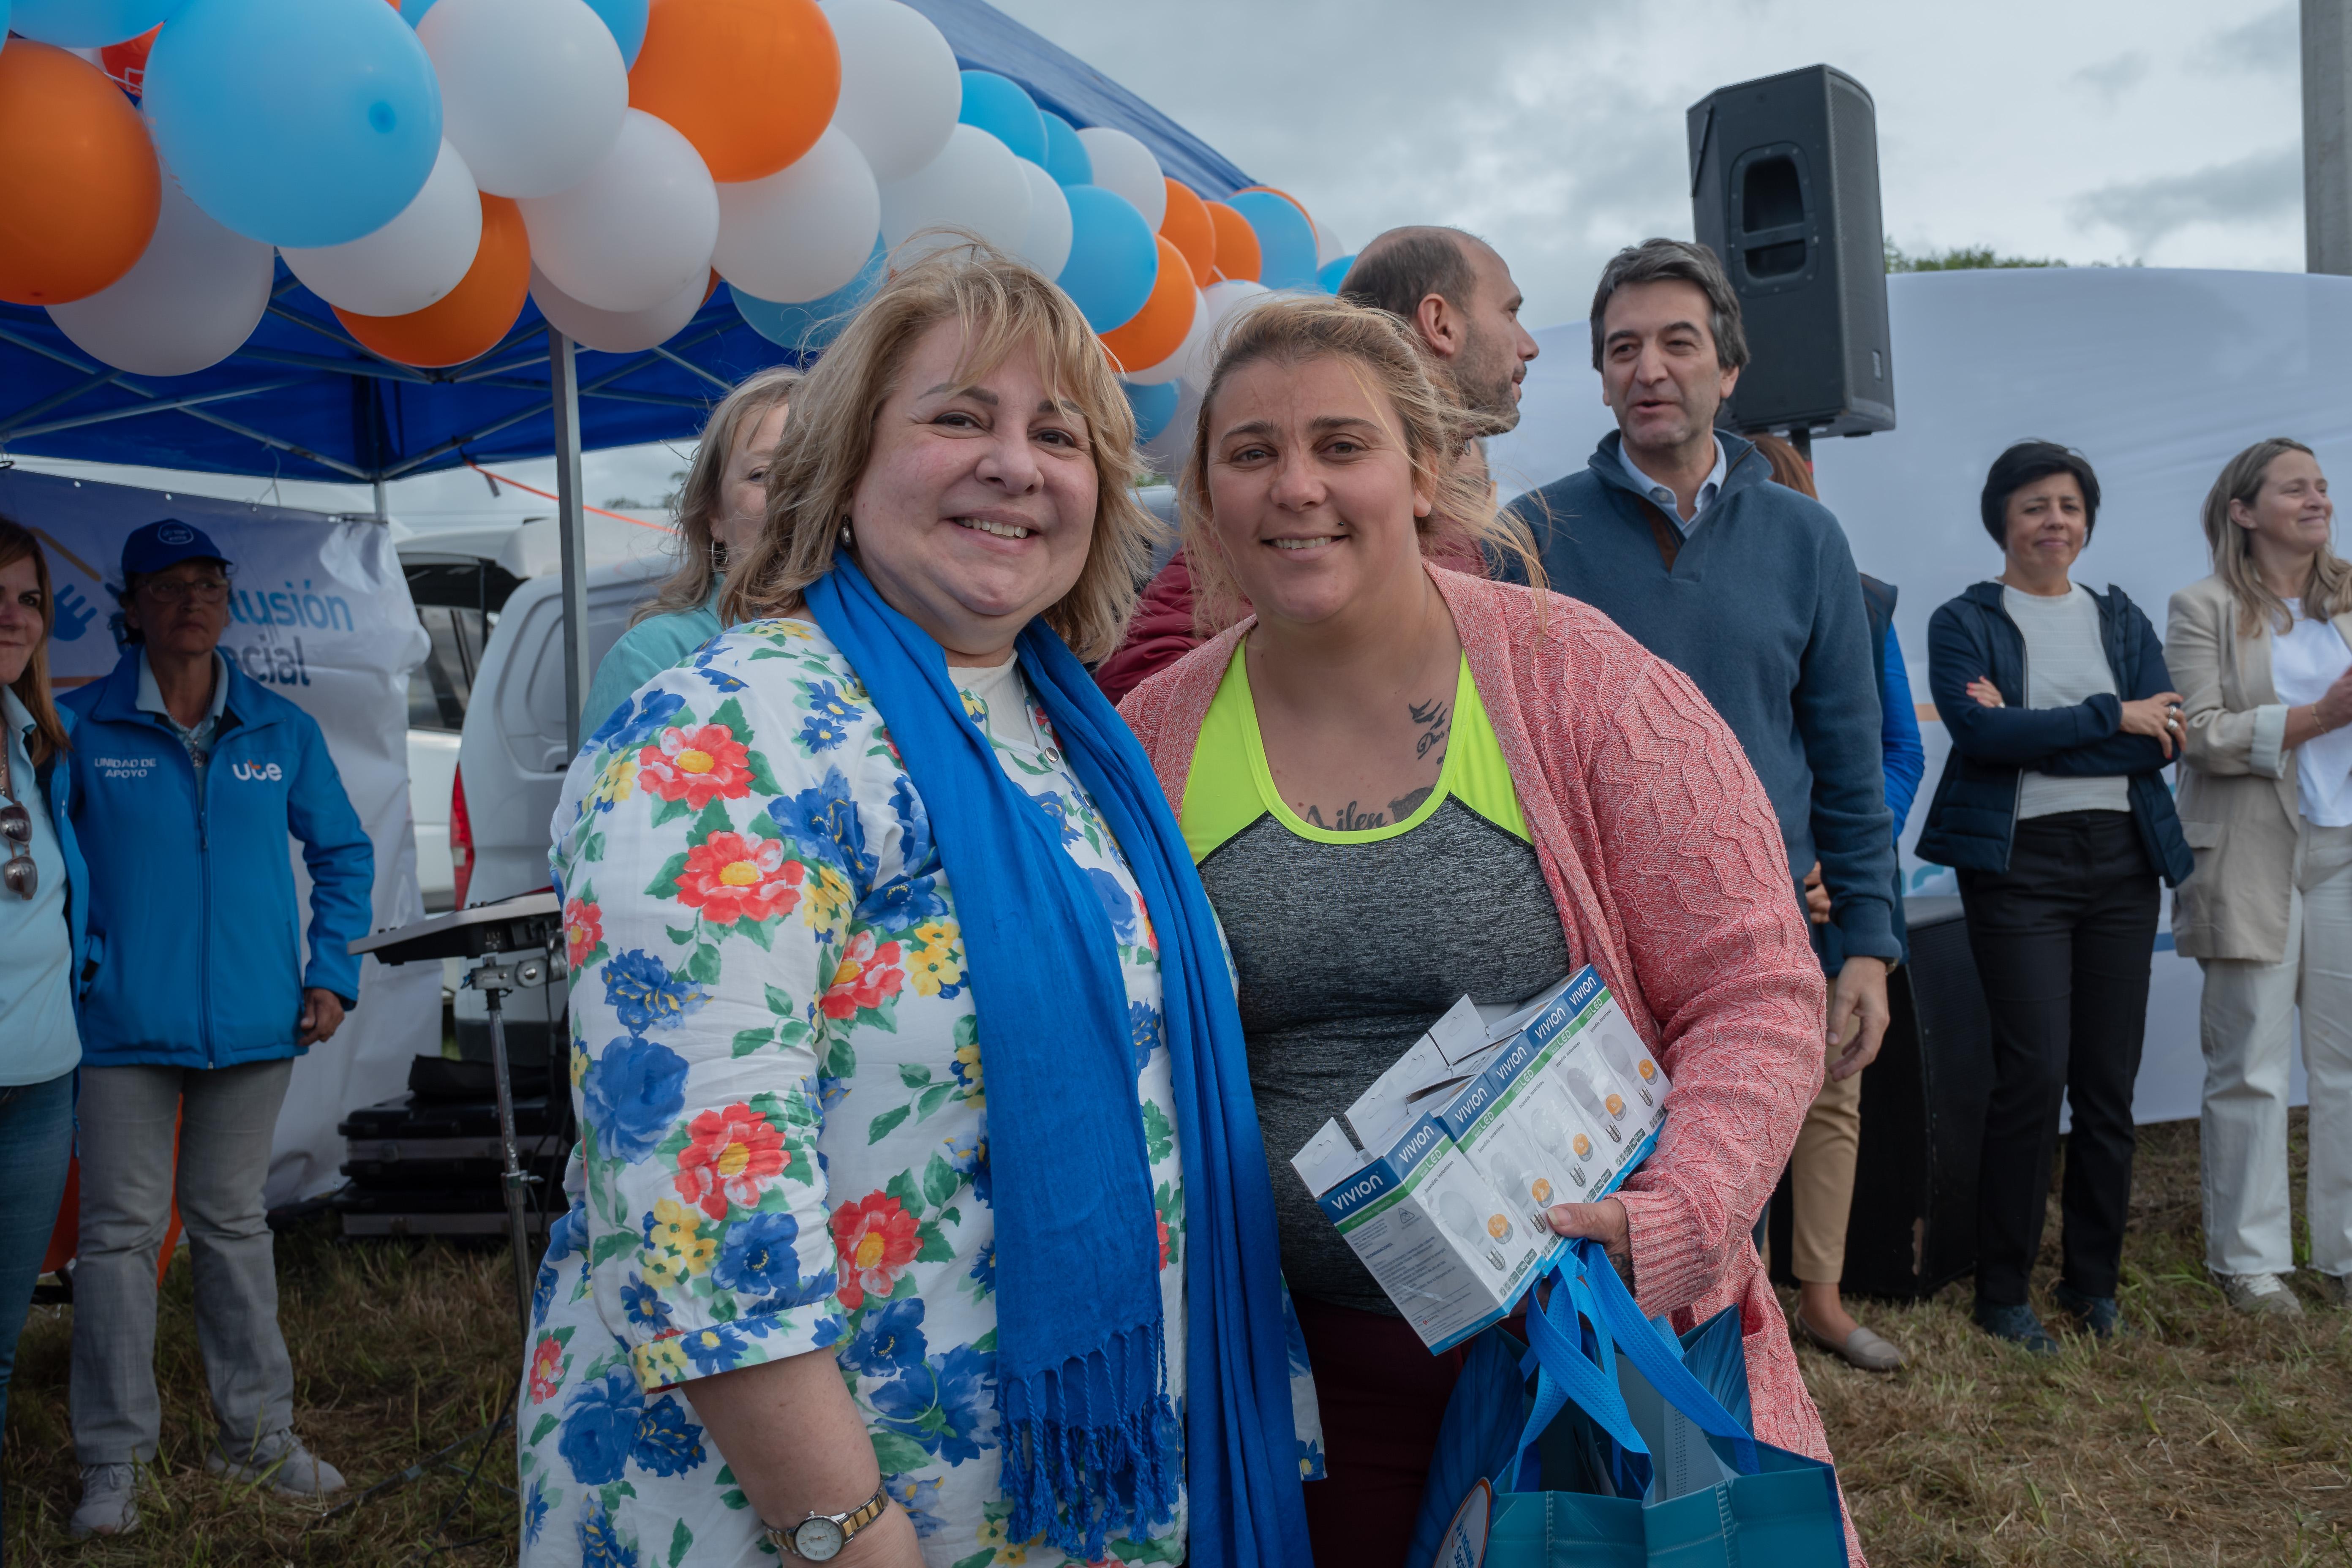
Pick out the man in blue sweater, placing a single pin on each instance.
(1673, 530)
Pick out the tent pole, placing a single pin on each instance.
(381, 514)
(563, 383)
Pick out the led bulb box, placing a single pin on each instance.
(1439, 1175)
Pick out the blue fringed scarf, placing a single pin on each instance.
(1090, 1447)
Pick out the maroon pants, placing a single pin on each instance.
(1383, 1397)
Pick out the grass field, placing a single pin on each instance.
(2207, 1439)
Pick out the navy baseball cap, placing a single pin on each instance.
(160, 546)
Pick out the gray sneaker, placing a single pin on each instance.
(109, 1502)
(2259, 1295)
(279, 1459)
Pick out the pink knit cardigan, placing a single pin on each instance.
(1665, 861)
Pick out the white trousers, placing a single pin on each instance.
(2248, 1034)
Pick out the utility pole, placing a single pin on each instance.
(572, 518)
(2328, 135)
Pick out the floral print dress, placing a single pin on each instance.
(782, 1106)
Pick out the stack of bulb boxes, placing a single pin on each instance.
(1440, 1174)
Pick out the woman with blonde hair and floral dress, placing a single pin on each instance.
(917, 1215)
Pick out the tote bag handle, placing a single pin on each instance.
(1566, 1374)
(1640, 1345)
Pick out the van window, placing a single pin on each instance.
(439, 687)
(458, 604)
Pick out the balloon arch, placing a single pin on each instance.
(426, 168)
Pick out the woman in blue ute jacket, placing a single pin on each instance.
(2053, 809)
(43, 890)
(188, 779)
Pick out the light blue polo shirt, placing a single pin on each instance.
(196, 741)
(38, 1037)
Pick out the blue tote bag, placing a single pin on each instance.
(1604, 1441)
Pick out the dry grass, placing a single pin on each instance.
(399, 1349)
(2208, 1438)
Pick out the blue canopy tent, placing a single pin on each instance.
(302, 400)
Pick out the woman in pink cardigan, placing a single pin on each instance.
(1402, 785)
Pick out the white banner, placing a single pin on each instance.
(320, 612)
(2158, 376)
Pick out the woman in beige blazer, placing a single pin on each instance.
(2263, 651)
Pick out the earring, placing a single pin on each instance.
(848, 539)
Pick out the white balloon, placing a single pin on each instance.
(900, 87)
(1219, 302)
(1124, 165)
(975, 185)
(1327, 248)
(1187, 352)
(617, 331)
(192, 299)
(411, 261)
(532, 92)
(1048, 245)
(1166, 451)
(803, 231)
(636, 229)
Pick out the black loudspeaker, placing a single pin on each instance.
(1784, 188)
(1913, 1226)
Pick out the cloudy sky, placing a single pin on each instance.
(2162, 131)
(2165, 131)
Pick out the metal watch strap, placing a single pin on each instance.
(853, 1521)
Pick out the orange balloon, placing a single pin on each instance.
(1237, 254)
(471, 319)
(1187, 224)
(1158, 330)
(80, 186)
(751, 83)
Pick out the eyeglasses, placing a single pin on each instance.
(172, 590)
(18, 871)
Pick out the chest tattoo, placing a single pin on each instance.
(1432, 726)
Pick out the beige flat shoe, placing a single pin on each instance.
(1860, 1349)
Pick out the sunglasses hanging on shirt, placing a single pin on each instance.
(16, 827)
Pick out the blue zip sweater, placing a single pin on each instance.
(1763, 611)
(1973, 819)
(194, 937)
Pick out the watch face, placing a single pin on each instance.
(818, 1540)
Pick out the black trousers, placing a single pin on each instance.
(2063, 941)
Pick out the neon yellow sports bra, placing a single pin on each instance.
(1230, 786)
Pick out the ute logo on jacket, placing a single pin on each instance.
(257, 772)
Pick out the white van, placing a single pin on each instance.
(486, 729)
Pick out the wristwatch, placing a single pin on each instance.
(819, 1537)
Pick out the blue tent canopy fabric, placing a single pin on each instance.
(302, 400)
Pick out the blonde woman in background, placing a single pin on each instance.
(2260, 651)
(718, 515)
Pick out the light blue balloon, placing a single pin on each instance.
(1065, 156)
(1155, 408)
(809, 327)
(1114, 260)
(293, 122)
(624, 19)
(86, 24)
(1333, 273)
(997, 105)
(1285, 240)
